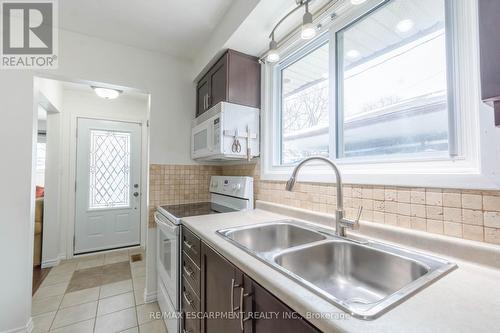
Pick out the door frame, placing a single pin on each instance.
(144, 167)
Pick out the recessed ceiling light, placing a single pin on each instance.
(405, 25)
(357, 2)
(353, 54)
(107, 93)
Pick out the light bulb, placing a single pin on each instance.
(357, 2)
(308, 29)
(273, 55)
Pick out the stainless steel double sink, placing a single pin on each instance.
(364, 278)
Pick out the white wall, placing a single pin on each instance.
(81, 57)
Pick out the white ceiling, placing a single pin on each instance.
(178, 28)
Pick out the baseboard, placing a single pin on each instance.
(28, 328)
(53, 262)
(149, 297)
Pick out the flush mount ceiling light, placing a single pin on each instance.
(107, 93)
(308, 30)
(357, 2)
(405, 25)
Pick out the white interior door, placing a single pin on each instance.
(108, 171)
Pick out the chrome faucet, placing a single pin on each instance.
(341, 223)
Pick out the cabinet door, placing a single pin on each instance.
(219, 292)
(218, 82)
(202, 96)
(281, 317)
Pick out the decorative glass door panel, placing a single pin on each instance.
(109, 170)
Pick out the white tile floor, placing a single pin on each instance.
(114, 307)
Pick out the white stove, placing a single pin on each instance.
(227, 194)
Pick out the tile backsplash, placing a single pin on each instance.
(467, 214)
(473, 215)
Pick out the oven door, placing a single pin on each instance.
(168, 253)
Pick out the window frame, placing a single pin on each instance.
(469, 166)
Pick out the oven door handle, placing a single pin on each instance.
(162, 223)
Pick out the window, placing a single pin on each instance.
(395, 56)
(390, 91)
(304, 106)
(391, 88)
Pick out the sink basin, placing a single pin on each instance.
(364, 278)
(272, 237)
(354, 273)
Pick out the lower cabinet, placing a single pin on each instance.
(231, 302)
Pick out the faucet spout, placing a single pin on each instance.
(340, 221)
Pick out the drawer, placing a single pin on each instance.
(189, 299)
(191, 325)
(191, 273)
(191, 245)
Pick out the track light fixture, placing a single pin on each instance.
(308, 30)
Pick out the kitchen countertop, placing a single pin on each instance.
(465, 300)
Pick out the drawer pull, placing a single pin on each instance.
(188, 300)
(233, 285)
(188, 331)
(190, 246)
(188, 270)
(242, 317)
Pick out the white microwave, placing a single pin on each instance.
(226, 132)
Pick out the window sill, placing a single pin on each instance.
(462, 176)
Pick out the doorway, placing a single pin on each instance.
(108, 174)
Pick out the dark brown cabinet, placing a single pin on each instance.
(489, 35)
(232, 302)
(234, 78)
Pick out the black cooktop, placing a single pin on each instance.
(195, 209)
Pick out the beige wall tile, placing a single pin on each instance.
(417, 210)
(417, 197)
(418, 223)
(404, 221)
(378, 217)
(391, 207)
(492, 235)
(470, 216)
(435, 226)
(391, 219)
(391, 194)
(434, 198)
(452, 214)
(453, 229)
(378, 193)
(472, 201)
(434, 212)
(473, 232)
(492, 219)
(379, 206)
(452, 200)
(404, 196)
(404, 209)
(491, 203)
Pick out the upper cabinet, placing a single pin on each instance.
(489, 32)
(234, 78)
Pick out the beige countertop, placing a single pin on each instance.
(465, 300)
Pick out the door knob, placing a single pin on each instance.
(136, 194)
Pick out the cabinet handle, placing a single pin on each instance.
(233, 285)
(184, 331)
(190, 246)
(189, 271)
(242, 317)
(189, 301)
(208, 101)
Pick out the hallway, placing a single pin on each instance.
(96, 293)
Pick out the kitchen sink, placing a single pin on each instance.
(272, 237)
(364, 278)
